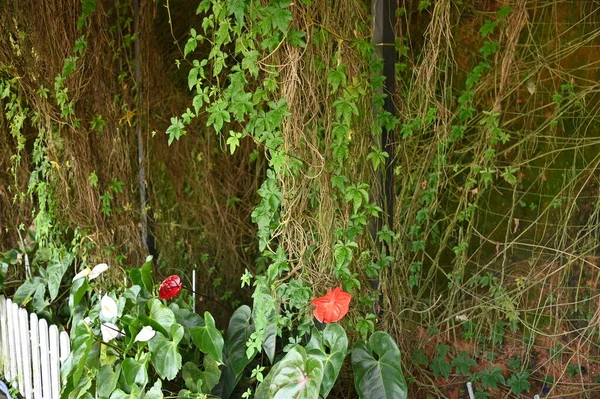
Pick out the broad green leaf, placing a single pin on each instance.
(238, 332)
(3, 271)
(330, 347)
(192, 376)
(187, 319)
(155, 392)
(161, 317)
(78, 290)
(27, 289)
(107, 380)
(236, 358)
(211, 374)
(295, 376)
(135, 372)
(165, 354)
(146, 274)
(378, 368)
(55, 272)
(82, 388)
(269, 341)
(201, 381)
(207, 338)
(82, 340)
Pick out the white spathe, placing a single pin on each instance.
(98, 270)
(110, 331)
(83, 273)
(145, 335)
(108, 307)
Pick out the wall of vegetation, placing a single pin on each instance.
(254, 129)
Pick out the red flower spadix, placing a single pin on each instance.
(333, 306)
(170, 287)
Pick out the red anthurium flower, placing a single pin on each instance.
(333, 306)
(170, 287)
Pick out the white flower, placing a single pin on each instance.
(98, 270)
(145, 335)
(83, 273)
(108, 307)
(110, 331)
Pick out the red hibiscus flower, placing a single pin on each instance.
(333, 306)
(170, 287)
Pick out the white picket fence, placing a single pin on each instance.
(31, 352)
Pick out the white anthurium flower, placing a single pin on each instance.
(110, 331)
(98, 270)
(108, 307)
(145, 335)
(83, 273)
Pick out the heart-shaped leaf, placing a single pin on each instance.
(198, 381)
(135, 372)
(378, 368)
(187, 319)
(207, 338)
(330, 347)
(296, 376)
(107, 380)
(165, 354)
(161, 317)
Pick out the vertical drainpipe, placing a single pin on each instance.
(384, 16)
(138, 127)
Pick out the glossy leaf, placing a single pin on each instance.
(134, 372)
(161, 317)
(329, 346)
(55, 272)
(236, 359)
(78, 290)
(108, 376)
(238, 332)
(201, 381)
(27, 289)
(207, 338)
(155, 392)
(146, 274)
(165, 354)
(82, 340)
(378, 368)
(296, 376)
(187, 319)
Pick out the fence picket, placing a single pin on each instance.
(45, 359)
(4, 336)
(54, 362)
(12, 353)
(26, 352)
(35, 355)
(18, 352)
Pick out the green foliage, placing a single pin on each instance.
(463, 363)
(439, 365)
(518, 382)
(491, 377)
(377, 368)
